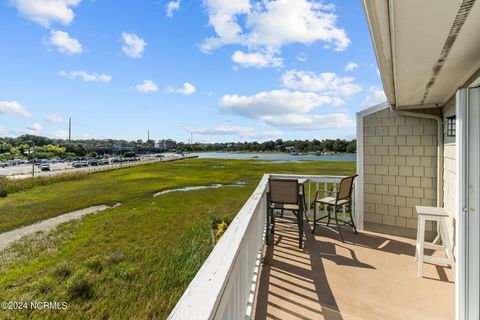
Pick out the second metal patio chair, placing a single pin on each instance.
(343, 197)
(284, 194)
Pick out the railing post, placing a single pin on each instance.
(325, 189)
(267, 219)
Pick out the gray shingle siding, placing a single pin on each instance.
(400, 168)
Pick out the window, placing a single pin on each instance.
(451, 126)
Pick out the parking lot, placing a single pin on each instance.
(25, 170)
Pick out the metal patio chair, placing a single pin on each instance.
(343, 197)
(284, 194)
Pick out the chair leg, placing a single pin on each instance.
(352, 222)
(300, 227)
(420, 245)
(336, 222)
(417, 243)
(273, 221)
(314, 218)
(446, 242)
(281, 213)
(329, 217)
(295, 213)
(267, 233)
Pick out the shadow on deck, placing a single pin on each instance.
(370, 276)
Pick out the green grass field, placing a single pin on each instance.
(133, 261)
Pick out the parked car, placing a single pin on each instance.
(76, 164)
(45, 167)
(103, 161)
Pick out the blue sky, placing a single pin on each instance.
(223, 70)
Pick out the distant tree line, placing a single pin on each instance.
(327, 145)
(45, 148)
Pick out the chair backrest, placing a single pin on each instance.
(284, 191)
(345, 189)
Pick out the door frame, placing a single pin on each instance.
(467, 269)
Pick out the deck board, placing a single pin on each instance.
(370, 276)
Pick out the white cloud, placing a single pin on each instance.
(146, 86)
(287, 109)
(256, 59)
(64, 43)
(311, 122)
(302, 57)
(187, 89)
(86, 76)
(351, 66)
(35, 127)
(223, 130)
(222, 17)
(133, 46)
(45, 12)
(171, 7)
(14, 107)
(275, 102)
(325, 82)
(375, 96)
(272, 24)
(243, 132)
(53, 118)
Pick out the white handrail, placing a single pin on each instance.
(219, 289)
(311, 178)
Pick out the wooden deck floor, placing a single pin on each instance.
(370, 276)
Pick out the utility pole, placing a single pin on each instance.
(148, 135)
(33, 158)
(69, 128)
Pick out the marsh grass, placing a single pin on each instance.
(149, 249)
(62, 270)
(9, 186)
(94, 264)
(114, 257)
(80, 286)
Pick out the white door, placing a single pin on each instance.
(468, 199)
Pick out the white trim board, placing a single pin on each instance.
(468, 200)
(373, 109)
(359, 187)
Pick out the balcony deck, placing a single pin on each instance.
(370, 276)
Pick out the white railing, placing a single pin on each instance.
(224, 286)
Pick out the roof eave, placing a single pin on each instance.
(379, 24)
(373, 109)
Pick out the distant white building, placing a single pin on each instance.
(165, 144)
